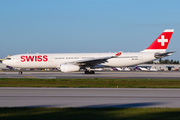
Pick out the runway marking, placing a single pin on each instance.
(115, 77)
(28, 76)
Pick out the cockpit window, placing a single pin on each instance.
(8, 58)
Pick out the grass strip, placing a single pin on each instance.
(90, 83)
(90, 113)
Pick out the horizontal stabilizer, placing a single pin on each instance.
(160, 55)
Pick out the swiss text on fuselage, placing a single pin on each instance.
(38, 58)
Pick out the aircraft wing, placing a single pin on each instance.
(95, 61)
(92, 62)
(160, 55)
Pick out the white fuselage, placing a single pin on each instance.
(69, 62)
(55, 60)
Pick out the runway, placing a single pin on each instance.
(110, 75)
(89, 97)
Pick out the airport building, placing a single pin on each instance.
(162, 67)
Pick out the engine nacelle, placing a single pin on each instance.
(69, 68)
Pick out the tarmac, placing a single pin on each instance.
(89, 97)
(105, 75)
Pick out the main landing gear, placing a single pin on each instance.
(89, 72)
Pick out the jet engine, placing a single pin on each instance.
(69, 68)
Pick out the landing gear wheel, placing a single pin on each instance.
(86, 72)
(89, 72)
(92, 72)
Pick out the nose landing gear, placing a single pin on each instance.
(20, 72)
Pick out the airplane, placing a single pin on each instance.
(153, 69)
(141, 68)
(71, 62)
(2, 66)
(117, 69)
(127, 69)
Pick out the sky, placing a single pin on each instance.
(66, 26)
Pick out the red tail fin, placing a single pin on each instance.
(161, 43)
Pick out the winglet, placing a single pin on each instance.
(118, 54)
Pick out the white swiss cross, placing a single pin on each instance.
(162, 40)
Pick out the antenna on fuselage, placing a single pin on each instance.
(29, 52)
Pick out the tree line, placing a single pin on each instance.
(166, 61)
